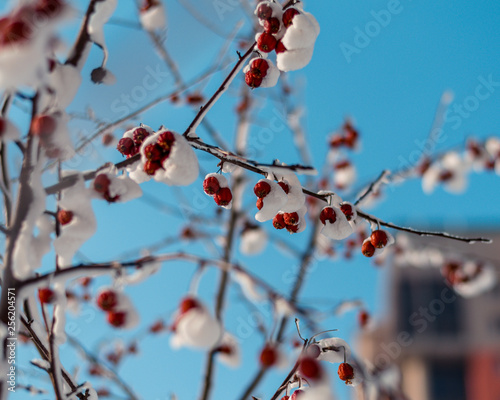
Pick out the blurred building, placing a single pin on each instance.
(448, 347)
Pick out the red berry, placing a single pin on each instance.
(363, 318)
(292, 228)
(261, 65)
(64, 217)
(284, 186)
(43, 125)
(126, 146)
(153, 152)
(101, 183)
(211, 185)
(310, 368)
(194, 98)
(272, 25)
(252, 80)
(262, 189)
(297, 394)
(346, 372)
(223, 196)
(268, 356)
(347, 210)
(46, 295)
(279, 222)
(288, 16)
(260, 203)
(291, 218)
(150, 167)
(445, 176)
(139, 135)
(14, 32)
(166, 140)
(107, 300)
(266, 42)
(188, 303)
(379, 238)
(264, 12)
(368, 249)
(327, 214)
(280, 47)
(117, 318)
(107, 139)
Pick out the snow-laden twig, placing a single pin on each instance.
(373, 186)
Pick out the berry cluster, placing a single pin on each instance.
(456, 273)
(291, 33)
(17, 28)
(216, 186)
(338, 221)
(108, 301)
(375, 244)
(290, 221)
(157, 153)
(130, 144)
(347, 137)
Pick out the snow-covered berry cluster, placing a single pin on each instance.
(281, 201)
(217, 186)
(120, 311)
(291, 33)
(166, 156)
(469, 278)
(115, 188)
(376, 243)
(51, 128)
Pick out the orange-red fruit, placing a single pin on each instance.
(107, 300)
(310, 368)
(368, 249)
(363, 318)
(291, 218)
(264, 12)
(14, 31)
(150, 167)
(272, 25)
(126, 146)
(288, 16)
(117, 318)
(188, 303)
(347, 210)
(346, 372)
(166, 140)
(292, 228)
(43, 125)
(266, 42)
(327, 214)
(261, 65)
(153, 152)
(101, 183)
(379, 238)
(211, 185)
(223, 196)
(262, 189)
(279, 222)
(268, 356)
(260, 203)
(280, 47)
(139, 135)
(297, 394)
(284, 186)
(46, 295)
(252, 80)
(64, 217)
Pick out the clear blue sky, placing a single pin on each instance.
(390, 87)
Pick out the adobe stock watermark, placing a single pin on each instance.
(129, 102)
(364, 36)
(420, 321)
